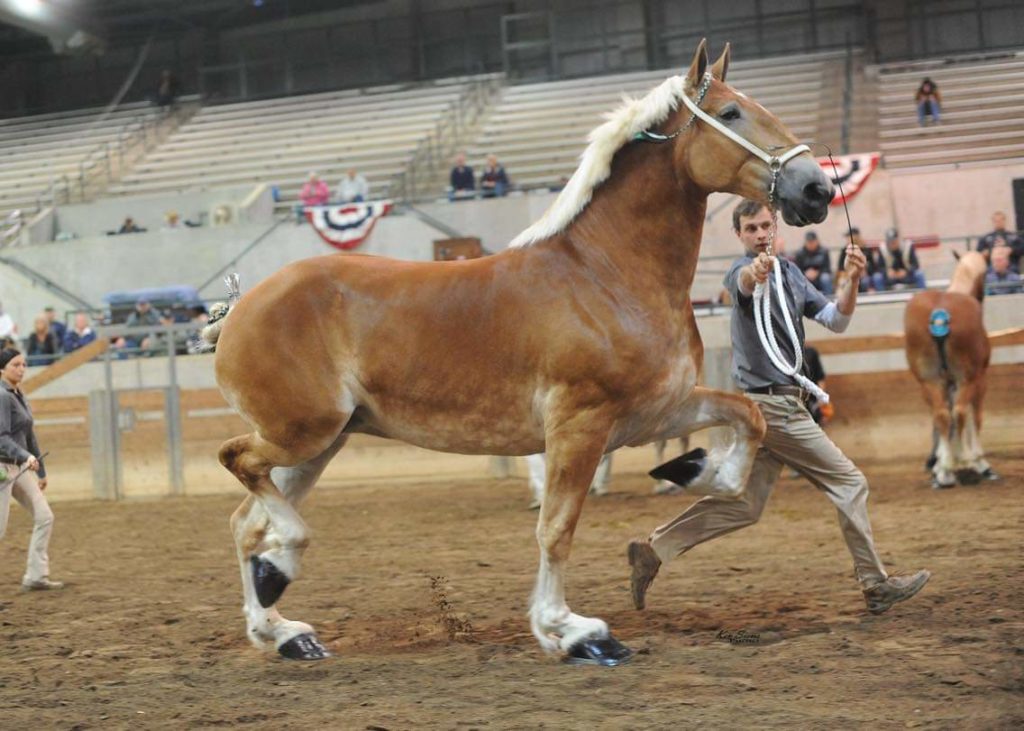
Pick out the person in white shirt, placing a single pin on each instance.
(353, 188)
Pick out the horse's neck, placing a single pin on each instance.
(967, 282)
(645, 223)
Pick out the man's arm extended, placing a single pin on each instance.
(846, 295)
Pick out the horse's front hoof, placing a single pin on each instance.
(990, 475)
(682, 470)
(269, 581)
(606, 651)
(938, 484)
(968, 477)
(303, 647)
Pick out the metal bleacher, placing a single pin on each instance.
(982, 112)
(279, 141)
(538, 130)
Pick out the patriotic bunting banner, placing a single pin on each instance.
(852, 171)
(346, 226)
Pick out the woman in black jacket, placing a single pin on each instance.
(21, 472)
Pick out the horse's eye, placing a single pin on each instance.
(730, 114)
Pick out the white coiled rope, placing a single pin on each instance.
(766, 331)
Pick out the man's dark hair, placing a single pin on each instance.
(745, 209)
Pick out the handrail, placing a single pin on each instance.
(235, 259)
(46, 283)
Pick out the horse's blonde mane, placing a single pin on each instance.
(635, 115)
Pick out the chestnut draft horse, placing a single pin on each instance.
(948, 352)
(577, 340)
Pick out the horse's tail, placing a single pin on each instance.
(938, 328)
(219, 313)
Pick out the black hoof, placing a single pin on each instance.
(269, 580)
(682, 470)
(968, 477)
(991, 475)
(606, 651)
(303, 647)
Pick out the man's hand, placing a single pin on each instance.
(761, 266)
(811, 273)
(32, 463)
(42, 483)
(855, 262)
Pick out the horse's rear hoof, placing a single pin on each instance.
(269, 581)
(606, 651)
(303, 647)
(682, 470)
(991, 475)
(968, 477)
(937, 485)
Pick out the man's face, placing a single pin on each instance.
(998, 220)
(812, 244)
(460, 160)
(81, 321)
(755, 231)
(143, 307)
(893, 244)
(1001, 259)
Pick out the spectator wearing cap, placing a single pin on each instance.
(903, 267)
(142, 315)
(814, 261)
(874, 273)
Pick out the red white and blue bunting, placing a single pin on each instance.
(347, 225)
(852, 171)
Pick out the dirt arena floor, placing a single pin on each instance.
(422, 590)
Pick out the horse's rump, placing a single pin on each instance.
(958, 353)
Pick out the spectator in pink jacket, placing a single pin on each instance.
(314, 193)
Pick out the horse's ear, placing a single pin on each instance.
(721, 66)
(699, 65)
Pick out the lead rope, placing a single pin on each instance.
(763, 316)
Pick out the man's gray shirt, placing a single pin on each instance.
(751, 366)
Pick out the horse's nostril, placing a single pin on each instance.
(818, 193)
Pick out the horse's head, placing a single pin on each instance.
(737, 146)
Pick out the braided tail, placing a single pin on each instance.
(219, 313)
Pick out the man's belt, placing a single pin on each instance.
(779, 390)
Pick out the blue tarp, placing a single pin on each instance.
(181, 295)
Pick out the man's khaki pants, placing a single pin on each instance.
(26, 491)
(793, 439)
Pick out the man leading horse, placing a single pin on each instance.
(792, 438)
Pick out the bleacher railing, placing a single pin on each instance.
(433, 154)
(105, 163)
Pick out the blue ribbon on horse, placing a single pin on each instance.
(938, 323)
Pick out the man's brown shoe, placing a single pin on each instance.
(645, 564)
(894, 589)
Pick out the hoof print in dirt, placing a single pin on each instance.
(269, 580)
(606, 651)
(682, 470)
(303, 647)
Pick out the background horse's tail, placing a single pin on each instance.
(219, 313)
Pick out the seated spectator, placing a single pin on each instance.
(903, 266)
(172, 220)
(314, 193)
(816, 264)
(999, 236)
(57, 327)
(7, 327)
(874, 274)
(79, 335)
(493, 180)
(129, 227)
(42, 346)
(353, 188)
(143, 314)
(929, 101)
(1000, 279)
(462, 184)
(167, 90)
